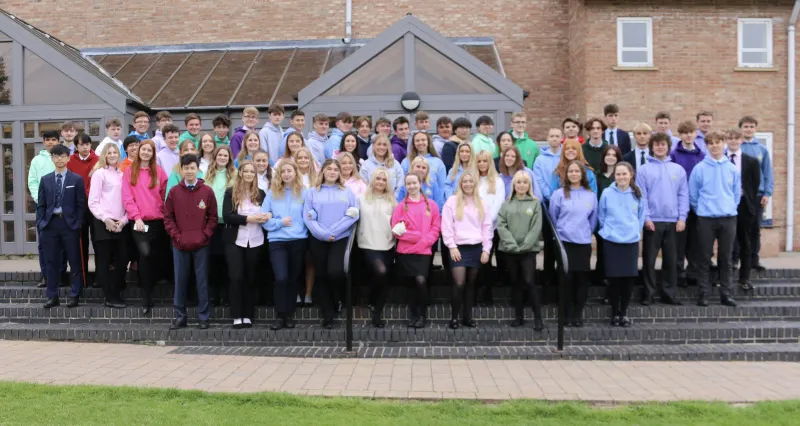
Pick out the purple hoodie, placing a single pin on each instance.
(238, 139)
(686, 159)
(399, 148)
(330, 204)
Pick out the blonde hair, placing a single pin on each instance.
(643, 127)
(242, 190)
(491, 173)
(422, 160)
(389, 159)
(521, 176)
(312, 170)
(457, 162)
(230, 171)
(321, 178)
(277, 186)
(354, 174)
(101, 162)
(388, 193)
(245, 152)
(251, 110)
(475, 196)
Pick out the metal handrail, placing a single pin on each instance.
(552, 242)
(349, 288)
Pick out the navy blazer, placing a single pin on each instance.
(623, 140)
(73, 200)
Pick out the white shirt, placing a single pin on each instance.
(736, 159)
(493, 201)
(609, 131)
(204, 165)
(638, 155)
(263, 182)
(250, 235)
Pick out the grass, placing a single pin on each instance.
(30, 404)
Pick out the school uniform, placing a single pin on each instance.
(715, 190)
(594, 154)
(747, 212)
(757, 150)
(663, 185)
(637, 157)
(618, 137)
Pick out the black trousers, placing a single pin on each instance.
(329, 273)
(287, 259)
(152, 257)
(753, 232)
(242, 266)
(577, 293)
(723, 231)
(522, 273)
(686, 244)
(664, 238)
(106, 252)
(744, 233)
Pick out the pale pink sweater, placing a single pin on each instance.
(470, 229)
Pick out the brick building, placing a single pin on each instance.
(572, 56)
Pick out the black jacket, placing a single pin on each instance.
(631, 158)
(751, 179)
(233, 219)
(622, 139)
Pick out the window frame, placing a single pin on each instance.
(740, 50)
(648, 43)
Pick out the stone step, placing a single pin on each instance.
(434, 335)
(437, 313)
(695, 352)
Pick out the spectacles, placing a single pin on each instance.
(142, 122)
(518, 122)
(250, 116)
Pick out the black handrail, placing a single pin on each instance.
(348, 304)
(553, 243)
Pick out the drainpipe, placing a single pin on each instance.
(348, 22)
(790, 129)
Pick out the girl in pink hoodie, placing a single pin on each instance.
(416, 224)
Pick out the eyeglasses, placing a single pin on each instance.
(518, 122)
(142, 122)
(250, 116)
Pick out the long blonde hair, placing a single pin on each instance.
(354, 174)
(424, 161)
(244, 152)
(521, 176)
(230, 170)
(312, 169)
(101, 162)
(491, 173)
(242, 190)
(457, 162)
(277, 186)
(475, 196)
(321, 177)
(389, 159)
(388, 193)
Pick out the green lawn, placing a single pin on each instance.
(28, 404)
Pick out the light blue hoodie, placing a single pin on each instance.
(436, 170)
(555, 181)
(330, 204)
(450, 185)
(543, 169)
(286, 134)
(396, 175)
(271, 140)
(715, 188)
(333, 143)
(281, 207)
(316, 144)
(621, 215)
(663, 185)
(574, 218)
(438, 144)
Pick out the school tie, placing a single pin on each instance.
(733, 159)
(191, 188)
(59, 192)
(611, 137)
(642, 162)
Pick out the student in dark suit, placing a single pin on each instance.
(59, 216)
(748, 206)
(613, 134)
(640, 154)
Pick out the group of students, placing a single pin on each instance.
(226, 207)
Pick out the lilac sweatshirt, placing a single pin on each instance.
(575, 218)
(330, 204)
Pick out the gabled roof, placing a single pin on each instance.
(427, 35)
(46, 46)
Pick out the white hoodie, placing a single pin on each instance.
(107, 141)
(374, 227)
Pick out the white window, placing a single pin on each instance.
(634, 42)
(755, 43)
(765, 138)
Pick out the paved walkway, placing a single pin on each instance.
(596, 381)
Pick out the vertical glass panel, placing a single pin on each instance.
(484, 54)
(135, 68)
(44, 84)
(159, 74)
(47, 126)
(634, 34)
(263, 78)
(754, 57)
(94, 128)
(30, 231)
(754, 35)
(225, 79)
(4, 37)
(30, 152)
(29, 130)
(8, 232)
(634, 56)
(382, 75)
(8, 179)
(187, 80)
(7, 130)
(112, 63)
(436, 74)
(339, 54)
(305, 68)
(5, 73)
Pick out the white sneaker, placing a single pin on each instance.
(247, 321)
(299, 300)
(237, 322)
(308, 300)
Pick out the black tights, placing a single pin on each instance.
(419, 296)
(463, 291)
(577, 293)
(619, 294)
(522, 273)
(380, 283)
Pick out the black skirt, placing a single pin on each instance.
(384, 256)
(412, 265)
(103, 234)
(470, 256)
(579, 256)
(155, 231)
(620, 260)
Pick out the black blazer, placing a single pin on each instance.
(73, 200)
(631, 158)
(751, 179)
(623, 140)
(233, 219)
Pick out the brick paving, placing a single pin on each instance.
(606, 381)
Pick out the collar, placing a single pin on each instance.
(84, 158)
(593, 145)
(646, 149)
(736, 153)
(190, 184)
(62, 174)
(515, 135)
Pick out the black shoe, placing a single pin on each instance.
(289, 322)
(417, 322)
(72, 302)
(647, 301)
(327, 324)
(203, 325)
(469, 322)
(691, 282)
(538, 324)
(577, 323)
(454, 324)
(683, 283)
(760, 268)
(146, 309)
(667, 300)
(518, 322)
(728, 301)
(615, 321)
(437, 267)
(115, 305)
(278, 324)
(746, 286)
(52, 303)
(177, 324)
(625, 322)
(702, 301)
(42, 283)
(377, 322)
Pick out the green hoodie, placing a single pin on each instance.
(218, 141)
(519, 225)
(527, 148)
(482, 142)
(41, 165)
(187, 135)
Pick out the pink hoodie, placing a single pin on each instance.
(105, 195)
(471, 229)
(141, 201)
(422, 225)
